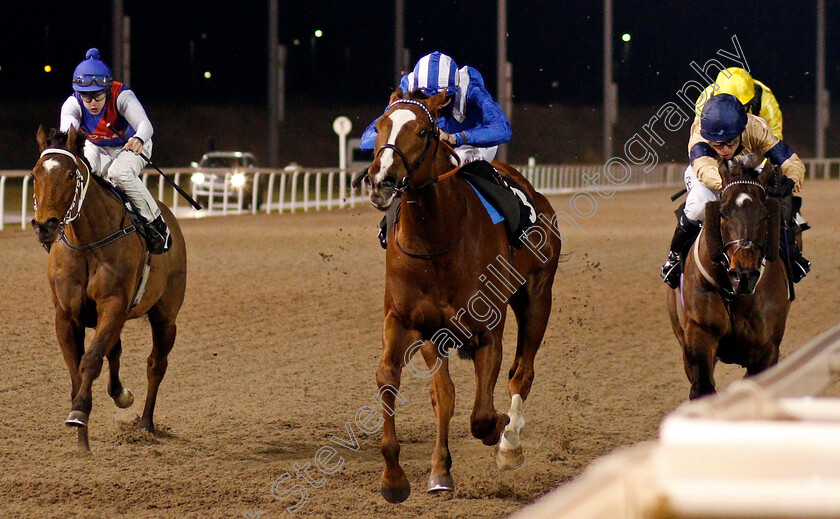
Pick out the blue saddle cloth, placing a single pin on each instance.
(494, 213)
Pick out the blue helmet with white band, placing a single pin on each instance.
(723, 118)
(435, 73)
(92, 74)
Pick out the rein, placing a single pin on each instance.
(79, 195)
(430, 255)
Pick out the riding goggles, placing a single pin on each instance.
(84, 81)
(728, 143)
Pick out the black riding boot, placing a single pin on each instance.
(158, 236)
(685, 234)
(799, 266)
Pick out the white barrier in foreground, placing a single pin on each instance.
(765, 448)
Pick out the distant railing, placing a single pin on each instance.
(314, 189)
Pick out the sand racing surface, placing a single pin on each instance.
(278, 342)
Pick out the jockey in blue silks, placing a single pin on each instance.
(474, 126)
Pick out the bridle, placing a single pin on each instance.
(743, 243)
(429, 136)
(79, 195)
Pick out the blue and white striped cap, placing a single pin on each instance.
(434, 73)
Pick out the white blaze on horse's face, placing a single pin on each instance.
(51, 164)
(398, 118)
(742, 199)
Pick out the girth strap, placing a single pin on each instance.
(141, 285)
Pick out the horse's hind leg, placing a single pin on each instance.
(123, 397)
(396, 340)
(443, 402)
(71, 338)
(485, 423)
(163, 338)
(532, 307)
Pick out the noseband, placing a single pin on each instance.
(412, 168)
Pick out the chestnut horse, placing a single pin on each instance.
(96, 274)
(449, 275)
(733, 300)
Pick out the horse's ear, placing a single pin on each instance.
(437, 101)
(398, 94)
(766, 174)
(71, 139)
(41, 137)
(711, 226)
(725, 172)
(752, 161)
(774, 228)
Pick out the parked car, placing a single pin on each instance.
(219, 167)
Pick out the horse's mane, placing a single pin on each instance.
(57, 139)
(416, 94)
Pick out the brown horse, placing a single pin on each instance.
(450, 273)
(99, 277)
(733, 301)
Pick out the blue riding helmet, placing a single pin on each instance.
(723, 118)
(92, 74)
(433, 73)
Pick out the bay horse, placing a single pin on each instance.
(96, 275)
(733, 300)
(439, 296)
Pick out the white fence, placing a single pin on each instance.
(305, 189)
(764, 448)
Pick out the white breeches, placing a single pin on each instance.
(471, 153)
(122, 168)
(698, 195)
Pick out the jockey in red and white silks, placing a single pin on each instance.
(99, 101)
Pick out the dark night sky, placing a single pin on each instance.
(555, 47)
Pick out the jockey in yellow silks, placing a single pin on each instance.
(756, 97)
(725, 131)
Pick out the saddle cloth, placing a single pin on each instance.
(504, 200)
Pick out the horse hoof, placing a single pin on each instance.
(125, 399)
(509, 452)
(395, 494)
(76, 419)
(441, 483)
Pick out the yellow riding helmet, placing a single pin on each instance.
(738, 82)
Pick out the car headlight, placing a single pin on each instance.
(197, 178)
(237, 179)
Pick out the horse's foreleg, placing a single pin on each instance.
(71, 338)
(443, 402)
(109, 325)
(395, 342)
(123, 397)
(163, 339)
(485, 423)
(699, 353)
